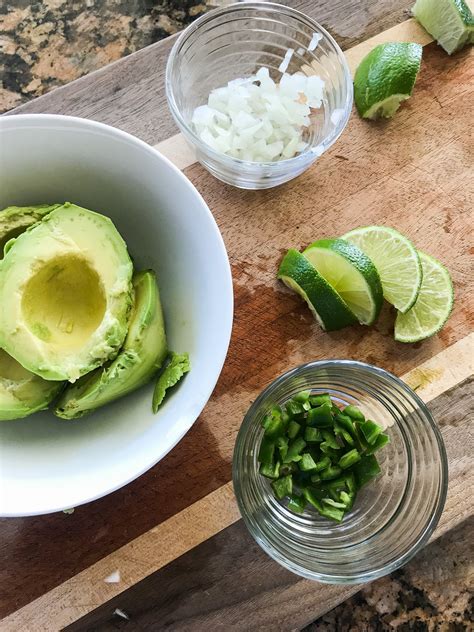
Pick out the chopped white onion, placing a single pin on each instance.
(258, 120)
(286, 60)
(336, 116)
(317, 37)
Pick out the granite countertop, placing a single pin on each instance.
(47, 44)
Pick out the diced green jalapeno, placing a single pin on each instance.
(321, 417)
(282, 446)
(293, 429)
(296, 503)
(351, 483)
(370, 430)
(336, 483)
(270, 470)
(266, 451)
(307, 463)
(294, 408)
(283, 486)
(312, 435)
(331, 452)
(354, 413)
(330, 472)
(349, 459)
(314, 448)
(379, 442)
(346, 423)
(288, 468)
(365, 470)
(334, 503)
(347, 499)
(319, 400)
(344, 435)
(294, 450)
(324, 463)
(330, 439)
(302, 396)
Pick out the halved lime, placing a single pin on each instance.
(450, 22)
(385, 78)
(327, 306)
(396, 260)
(433, 305)
(351, 273)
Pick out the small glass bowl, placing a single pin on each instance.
(235, 41)
(393, 516)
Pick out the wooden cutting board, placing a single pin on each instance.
(415, 173)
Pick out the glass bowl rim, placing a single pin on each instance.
(307, 156)
(440, 455)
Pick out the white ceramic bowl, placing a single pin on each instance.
(48, 464)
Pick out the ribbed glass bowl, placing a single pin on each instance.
(393, 516)
(235, 41)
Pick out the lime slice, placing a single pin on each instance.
(327, 306)
(450, 22)
(385, 78)
(351, 273)
(433, 305)
(396, 260)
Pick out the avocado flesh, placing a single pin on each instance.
(65, 294)
(142, 355)
(22, 392)
(14, 220)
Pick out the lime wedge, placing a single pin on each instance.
(433, 305)
(385, 78)
(351, 273)
(327, 306)
(450, 22)
(396, 260)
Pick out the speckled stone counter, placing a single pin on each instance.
(47, 44)
(432, 593)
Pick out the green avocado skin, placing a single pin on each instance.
(14, 220)
(142, 355)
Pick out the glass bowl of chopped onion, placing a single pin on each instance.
(259, 90)
(357, 517)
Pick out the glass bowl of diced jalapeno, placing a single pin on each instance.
(340, 471)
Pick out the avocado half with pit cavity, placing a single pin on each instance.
(65, 294)
(22, 392)
(142, 355)
(14, 220)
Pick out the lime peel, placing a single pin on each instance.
(330, 311)
(385, 78)
(396, 260)
(351, 273)
(450, 22)
(433, 305)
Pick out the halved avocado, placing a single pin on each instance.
(22, 392)
(142, 355)
(14, 220)
(65, 294)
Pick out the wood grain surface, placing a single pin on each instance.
(228, 583)
(130, 93)
(414, 172)
(175, 537)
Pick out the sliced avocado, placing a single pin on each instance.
(174, 371)
(65, 294)
(22, 392)
(14, 220)
(143, 353)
